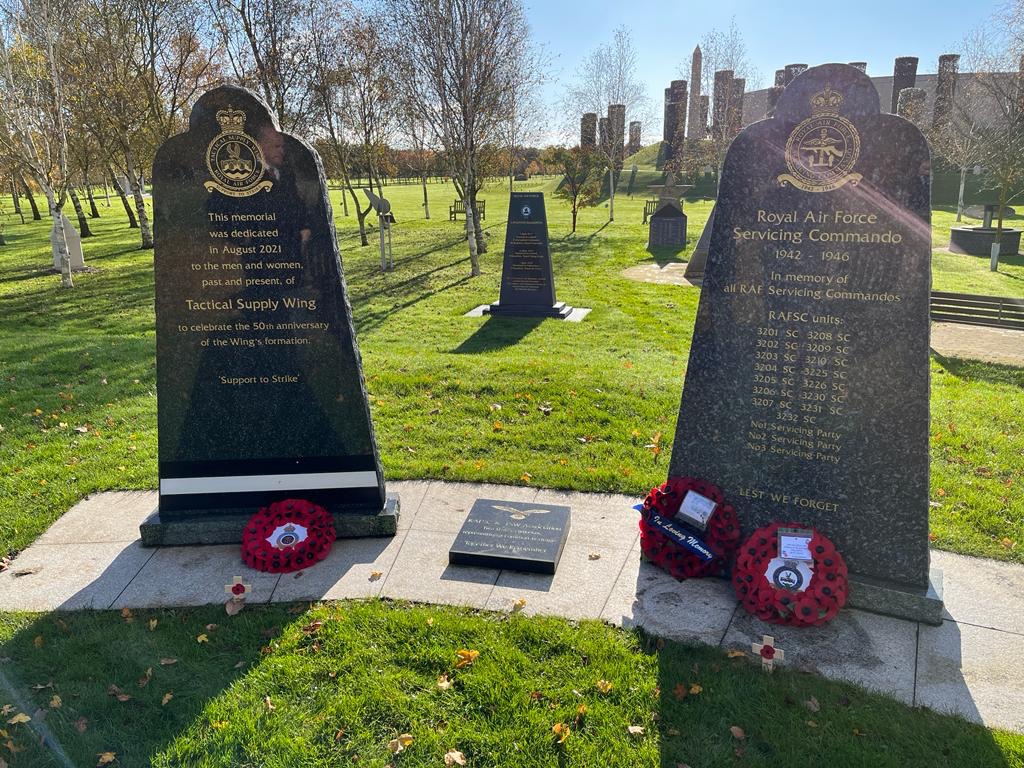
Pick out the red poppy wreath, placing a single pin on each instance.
(287, 536)
(819, 602)
(677, 548)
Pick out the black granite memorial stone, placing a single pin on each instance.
(527, 282)
(259, 381)
(511, 534)
(806, 394)
(668, 226)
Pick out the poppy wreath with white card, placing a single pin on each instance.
(671, 534)
(798, 592)
(287, 536)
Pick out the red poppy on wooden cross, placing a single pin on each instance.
(768, 652)
(237, 588)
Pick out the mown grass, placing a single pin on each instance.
(332, 685)
(590, 406)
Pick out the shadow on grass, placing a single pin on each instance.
(666, 254)
(976, 370)
(498, 333)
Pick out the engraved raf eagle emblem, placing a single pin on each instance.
(520, 514)
(234, 159)
(822, 149)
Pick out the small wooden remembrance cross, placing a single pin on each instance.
(768, 652)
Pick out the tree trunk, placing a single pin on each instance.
(83, 222)
(360, 213)
(140, 207)
(960, 199)
(31, 200)
(106, 192)
(997, 246)
(132, 223)
(60, 243)
(611, 194)
(93, 210)
(478, 229)
(467, 203)
(426, 203)
(17, 199)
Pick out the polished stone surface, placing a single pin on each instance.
(527, 280)
(259, 381)
(499, 533)
(806, 395)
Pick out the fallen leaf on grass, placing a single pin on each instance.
(397, 745)
(465, 657)
(167, 697)
(695, 689)
(268, 704)
(812, 704)
(146, 677)
(858, 732)
(21, 717)
(202, 638)
(339, 734)
(55, 702)
(737, 654)
(81, 725)
(737, 732)
(128, 615)
(581, 712)
(152, 624)
(211, 627)
(603, 686)
(811, 724)
(42, 686)
(167, 661)
(313, 627)
(680, 691)
(444, 683)
(118, 694)
(38, 641)
(234, 606)
(518, 605)
(635, 730)
(454, 757)
(6, 709)
(561, 731)
(672, 732)
(106, 758)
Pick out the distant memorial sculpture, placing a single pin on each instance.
(694, 129)
(945, 89)
(385, 218)
(527, 281)
(978, 241)
(904, 75)
(73, 242)
(806, 394)
(260, 391)
(588, 131)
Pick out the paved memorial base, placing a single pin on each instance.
(969, 664)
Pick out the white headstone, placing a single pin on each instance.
(74, 243)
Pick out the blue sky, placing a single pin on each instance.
(776, 33)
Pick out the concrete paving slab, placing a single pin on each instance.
(974, 672)
(875, 652)
(180, 576)
(421, 573)
(446, 505)
(598, 518)
(71, 576)
(354, 568)
(983, 592)
(579, 588)
(692, 611)
(102, 517)
(410, 493)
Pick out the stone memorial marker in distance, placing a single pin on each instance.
(260, 391)
(806, 394)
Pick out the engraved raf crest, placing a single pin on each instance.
(520, 514)
(823, 149)
(234, 159)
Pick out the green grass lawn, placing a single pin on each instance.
(333, 685)
(590, 406)
(958, 273)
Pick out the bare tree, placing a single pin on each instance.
(464, 57)
(267, 44)
(33, 107)
(724, 49)
(995, 53)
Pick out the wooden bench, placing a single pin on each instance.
(650, 207)
(458, 208)
(994, 311)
